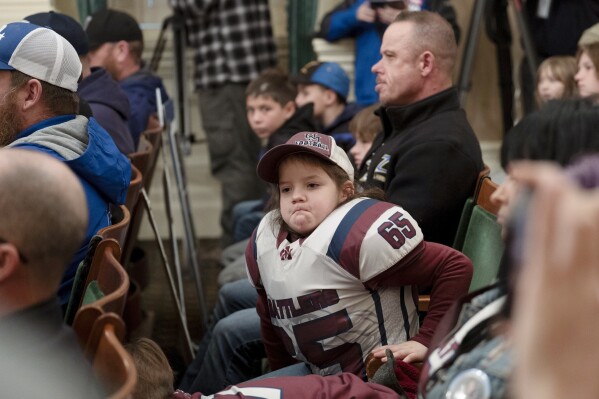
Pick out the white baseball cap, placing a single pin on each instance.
(40, 53)
(321, 145)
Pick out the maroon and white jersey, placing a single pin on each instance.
(319, 298)
(341, 386)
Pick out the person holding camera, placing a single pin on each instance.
(366, 21)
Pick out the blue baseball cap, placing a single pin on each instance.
(327, 74)
(65, 26)
(40, 53)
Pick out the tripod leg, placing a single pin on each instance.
(498, 30)
(470, 50)
(173, 289)
(529, 48)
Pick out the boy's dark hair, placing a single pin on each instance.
(272, 83)
(560, 131)
(365, 125)
(335, 172)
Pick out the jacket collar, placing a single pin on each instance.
(397, 118)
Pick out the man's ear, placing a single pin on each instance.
(122, 50)
(30, 94)
(9, 261)
(426, 63)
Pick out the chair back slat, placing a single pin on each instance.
(483, 198)
(110, 360)
(484, 246)
(117, 231)
(111, 277)
(133, 190)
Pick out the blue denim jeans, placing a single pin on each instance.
(231, 350)
(240, 213)
(295, 370)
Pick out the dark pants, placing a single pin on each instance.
(232, 146)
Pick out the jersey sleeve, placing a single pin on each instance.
(251, 261)
(448, 272)
(372, 237)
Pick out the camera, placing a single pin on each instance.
(397, 4)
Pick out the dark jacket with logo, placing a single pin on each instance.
(110, 107)
(427, 161)
(141, 91)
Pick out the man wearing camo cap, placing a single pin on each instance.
(39, 71)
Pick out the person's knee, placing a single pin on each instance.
(239, 327)
(230, 292)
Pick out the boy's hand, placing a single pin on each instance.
(365, 13)
(409, 352)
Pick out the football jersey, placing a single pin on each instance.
(318, 297)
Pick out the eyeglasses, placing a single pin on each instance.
(21, 256)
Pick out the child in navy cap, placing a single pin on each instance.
(326, 86)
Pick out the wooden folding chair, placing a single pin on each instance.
(80, 279)
(141, 158)
(467, 210)
(100, 337)
(133, 190)
(107, 282)
(484, 246)
(118, 230)
(458, 243)
(154, 137)
(110, 360)
(483, 197)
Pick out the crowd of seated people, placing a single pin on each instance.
(320, 294)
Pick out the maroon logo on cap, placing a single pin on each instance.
(313, 140)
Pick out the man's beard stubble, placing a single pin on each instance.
(10, 119)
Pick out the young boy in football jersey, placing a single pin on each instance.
(335, 270)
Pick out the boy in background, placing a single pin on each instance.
(274, 117)
(326, 86)
(364, 127)
(271, 109)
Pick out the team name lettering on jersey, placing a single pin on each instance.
(285, 308)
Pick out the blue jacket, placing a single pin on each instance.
(91, 154)
(342, 24)
(141, 91)
(110, 107)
